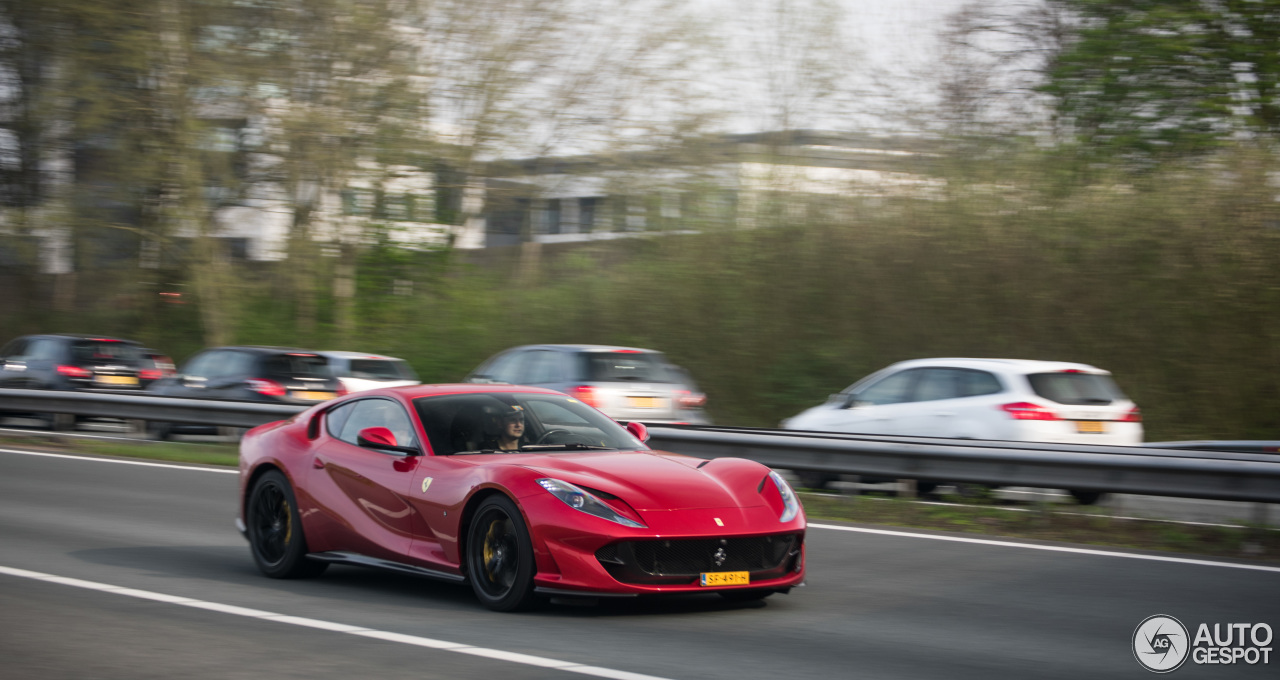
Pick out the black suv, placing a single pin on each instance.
(70, 362)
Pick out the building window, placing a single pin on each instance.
(587, 214)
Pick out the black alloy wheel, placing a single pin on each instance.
(500, 556)
(275, 530)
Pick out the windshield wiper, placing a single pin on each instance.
(567, 447)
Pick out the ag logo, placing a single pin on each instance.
(1161, 643)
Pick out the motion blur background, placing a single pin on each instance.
(781, 195)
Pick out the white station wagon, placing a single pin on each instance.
(997, 399)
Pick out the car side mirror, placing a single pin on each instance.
(638, 430)
(382, 438)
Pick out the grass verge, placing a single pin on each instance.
(1038, 522)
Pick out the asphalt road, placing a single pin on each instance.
(877, 605)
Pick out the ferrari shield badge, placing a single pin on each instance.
(426, 484)
(718, 522)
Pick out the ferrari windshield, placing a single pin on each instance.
(482, 423)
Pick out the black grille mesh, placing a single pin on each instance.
(682, 560)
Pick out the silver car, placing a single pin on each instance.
(626, 383)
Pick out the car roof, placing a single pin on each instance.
(1006, 365)
(340, 354)
(588, 348)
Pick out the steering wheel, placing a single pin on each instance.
(546, 436)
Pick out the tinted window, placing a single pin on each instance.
(295, 366)
(100, 352)
(469, 422)
(502, 369)
(378, 413)
(230, 364)
(380, 369)
(625, 367)
(1075, 388)
(893, 389)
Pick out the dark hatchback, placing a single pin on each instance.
(280, 375)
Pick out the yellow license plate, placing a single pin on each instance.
(313, 396)
(117, 380)
(644, 402)
(1091, 427)
(725, 578)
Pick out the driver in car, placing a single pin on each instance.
(506, 429)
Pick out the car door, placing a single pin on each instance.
(363, 490)
(225, 379)
(194, 377)
(951, 402)
(876, 408)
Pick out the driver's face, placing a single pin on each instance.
(515, 427)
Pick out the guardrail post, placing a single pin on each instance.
(907, 488)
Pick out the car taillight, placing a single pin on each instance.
(73, 372)
(149, 374)
(1025, 410)
(585, 394)
(1133, 416)
(687, 399)
(342, 390)
(267, 388)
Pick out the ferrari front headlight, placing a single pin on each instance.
(790, 504)
(581, 499)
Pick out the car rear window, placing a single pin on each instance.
(381, 369)
(626, 367)
(296, 366)
(1075, 388)
(103, 351)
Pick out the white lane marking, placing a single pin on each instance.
(1050, 548)
(498, 654)
(121, 461)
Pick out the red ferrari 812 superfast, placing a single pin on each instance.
(524, 493)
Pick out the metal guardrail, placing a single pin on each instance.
(145, 407)
(1182, 469)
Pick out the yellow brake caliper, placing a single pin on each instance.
(288, 523)
(488, 548)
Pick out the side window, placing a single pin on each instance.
(937, 383)
(43, 350)
(15, 348)
(233, 365)
(893, 389)
(978, 383)
(201, 365)
(508, 368)
(541, 366)
(337, 417)
(378, 413)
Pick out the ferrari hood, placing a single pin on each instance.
(648, 480)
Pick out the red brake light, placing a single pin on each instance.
(267, 388)
(73, 372)
(1133, 416)
(585, 394)
(1025, 410)
(149, 374)
(342, 390)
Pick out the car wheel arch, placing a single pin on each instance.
(255, 475)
